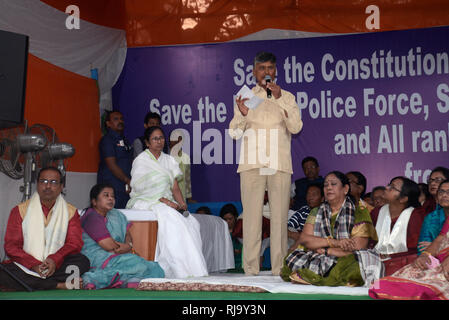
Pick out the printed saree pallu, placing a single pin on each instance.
(410, 283)
(307, 266)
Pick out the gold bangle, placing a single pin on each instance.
(427, 252)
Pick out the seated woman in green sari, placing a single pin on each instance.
(332, 250)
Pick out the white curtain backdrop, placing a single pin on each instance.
(76, 50)
(278, 34)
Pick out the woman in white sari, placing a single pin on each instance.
(154, 187)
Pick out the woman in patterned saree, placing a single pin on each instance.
(108, 245)
(154, 188)
(427, 277)
(333, 242)
(434, 220)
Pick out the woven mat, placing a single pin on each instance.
(264, 282)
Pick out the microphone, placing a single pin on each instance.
(268, 79)
(185, 213)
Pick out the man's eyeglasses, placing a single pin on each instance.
(390, 186)
(51, 182)
(443, 192)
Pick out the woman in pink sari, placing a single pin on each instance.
(427, 278)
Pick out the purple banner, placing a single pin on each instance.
(377, 103)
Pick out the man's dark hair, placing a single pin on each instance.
(411, 190)
(262, 57)
(375, 189)
(107, 117)
(229, 208)
(361, 180)
(205, 209)
(152, 115)
(50, 169)
(108, 114)
(378, 188)
(317, 185)
(307, 159)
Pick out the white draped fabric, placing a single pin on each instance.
(40, 240)
(394, 241)
(179, 245)
(76, 50)
(217, 243)
(216, 240)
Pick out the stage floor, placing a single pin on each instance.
(132, 294)
(276, 290)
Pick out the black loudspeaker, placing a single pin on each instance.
(13, 73)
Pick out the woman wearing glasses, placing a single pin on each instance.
(438, 175)
(428, 276)
(154, 187)
(398, 223)
(433, 212)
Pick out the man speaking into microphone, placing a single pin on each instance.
(275, 118)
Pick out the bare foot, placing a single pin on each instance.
(76, 284)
